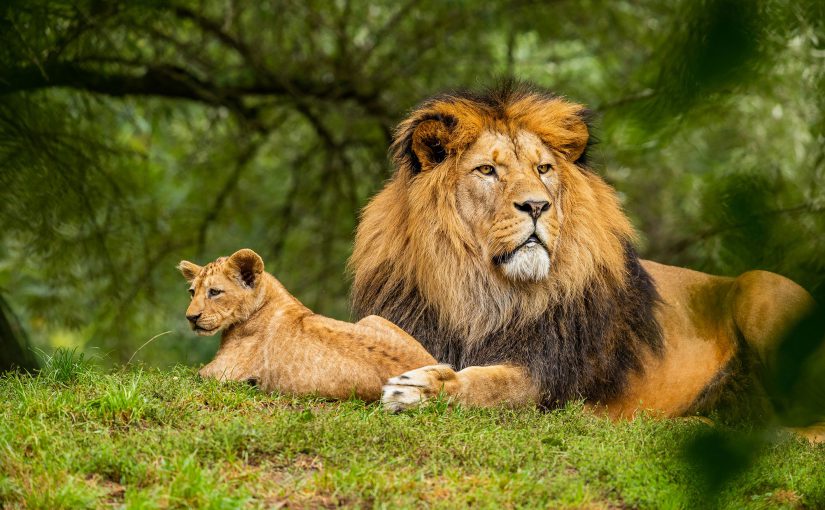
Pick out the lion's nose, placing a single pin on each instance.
(533, 207)
(193, 318)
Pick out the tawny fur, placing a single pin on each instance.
(625, 335)
(270, 338)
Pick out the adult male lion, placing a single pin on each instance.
(497, 248)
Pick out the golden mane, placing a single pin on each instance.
(411, 232)
(580, 331)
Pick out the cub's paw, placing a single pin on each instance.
(224, 374)
(417, 386)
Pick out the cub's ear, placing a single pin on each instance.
(247, 266)
(423, 142)
(189, 270)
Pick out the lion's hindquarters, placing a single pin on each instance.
(383, 327)
(319, 366)
(339, 359)
(764, 306)
(780, 321)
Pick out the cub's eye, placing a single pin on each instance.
(543, 169)
(485, 170)
(192, 292)
(214, 292)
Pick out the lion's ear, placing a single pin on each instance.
(423, 142)
(189, 270)
(247, 266)
(577, 136)
(561, 124)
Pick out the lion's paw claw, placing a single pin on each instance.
(412, 388)
(399, 398)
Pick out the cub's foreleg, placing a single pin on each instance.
(488, 386)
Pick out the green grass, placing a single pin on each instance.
(76, 436)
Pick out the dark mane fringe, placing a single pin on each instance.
(582, 350)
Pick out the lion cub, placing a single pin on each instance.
(271, 339)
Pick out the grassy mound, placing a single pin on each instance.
(76, 436)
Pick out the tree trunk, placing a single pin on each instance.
(14, 344)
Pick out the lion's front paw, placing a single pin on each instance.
(417, 386)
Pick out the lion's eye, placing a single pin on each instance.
(192, 292)
(543, 169)
(485, 170)
(214, 292)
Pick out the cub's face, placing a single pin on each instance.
(507, 195)
(224, 292)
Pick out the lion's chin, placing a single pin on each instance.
(205, 332)
(528, 264)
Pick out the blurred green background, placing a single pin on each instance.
(136, 134)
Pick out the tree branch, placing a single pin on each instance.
(214, 28)
(176, 82)
(632, 98)
(242, 162)
(163, 81)
(683, 244)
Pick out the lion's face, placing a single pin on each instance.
(507, 195)
(492, 216)
(224, 292)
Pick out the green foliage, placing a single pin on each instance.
(137, 134)
(200, 444)
(796, 377)
(718, 458)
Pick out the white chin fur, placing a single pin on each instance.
(529, 264)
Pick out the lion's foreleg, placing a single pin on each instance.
(488, 386)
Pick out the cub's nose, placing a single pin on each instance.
(534, 208)
(193, 318)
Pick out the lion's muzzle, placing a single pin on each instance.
(529, 261)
